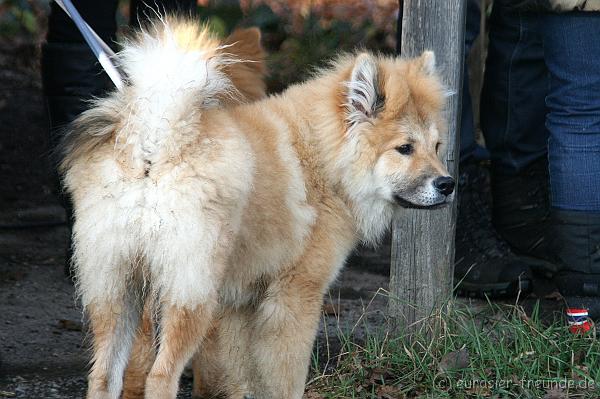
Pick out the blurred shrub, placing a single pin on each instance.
(22, 19)
(300, 35)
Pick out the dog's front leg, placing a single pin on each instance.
(286, 321)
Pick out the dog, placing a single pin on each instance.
(232, 221)
(248, 78)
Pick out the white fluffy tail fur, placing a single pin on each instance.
(175, 69)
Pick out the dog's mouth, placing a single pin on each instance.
(410, 205)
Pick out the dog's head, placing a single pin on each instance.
(393, 113)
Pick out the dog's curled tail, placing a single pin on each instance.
(175, 65)
(174, 69)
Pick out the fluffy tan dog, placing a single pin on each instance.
(231, 222)
(247, 77)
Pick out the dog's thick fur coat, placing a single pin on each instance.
(231, 222)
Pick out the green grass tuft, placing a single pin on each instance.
(458, 352)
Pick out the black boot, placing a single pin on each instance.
(71, 76)
(484, 266)
(521, 214)
(576, 245)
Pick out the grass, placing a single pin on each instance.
(497, 352)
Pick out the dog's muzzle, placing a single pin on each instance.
(436, 193)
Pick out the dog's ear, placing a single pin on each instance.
(363, 96)
(427, 61)
(245, 44)
(248, 75)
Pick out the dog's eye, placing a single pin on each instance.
(405, 149)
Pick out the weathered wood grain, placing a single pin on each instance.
(423, 240)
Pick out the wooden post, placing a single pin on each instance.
(423, 240)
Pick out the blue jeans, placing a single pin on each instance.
(541, 94)
(572, 53)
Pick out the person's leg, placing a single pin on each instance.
(573, 58)
(512, 119)
(469, 149)
(70, 72)
(484, 263)
(514, 89)
(71, 75)
(572, 53)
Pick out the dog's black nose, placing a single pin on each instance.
(444, 185)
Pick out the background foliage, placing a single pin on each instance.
(297, 34)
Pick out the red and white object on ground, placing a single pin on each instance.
(578, 319)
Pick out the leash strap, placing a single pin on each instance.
(101, 50)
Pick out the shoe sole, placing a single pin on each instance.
(496, 290)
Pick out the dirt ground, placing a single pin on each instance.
(43, 351)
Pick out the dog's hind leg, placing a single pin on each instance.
(181, 332)
(113, 325)
(222, 366)
(206, 367)
(189, 276)
(142, 356)
(110, 295)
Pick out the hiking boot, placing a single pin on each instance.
(576, 246)
(485, 265)
(521, 214)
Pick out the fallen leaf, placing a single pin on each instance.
(312, 395)
(378, 375)
(329, 309)
(480, 391)
(523, 355)
(455, 360)
(555, 393)
(389, 392)
(69, 325)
